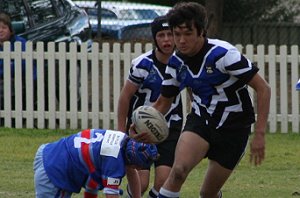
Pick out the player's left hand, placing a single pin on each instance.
(257, 149)
(140, 137)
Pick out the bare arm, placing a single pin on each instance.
(163, 104)
(263, 92)
(127, 93)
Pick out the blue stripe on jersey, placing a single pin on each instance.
(218, 81)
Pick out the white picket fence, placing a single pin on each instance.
(100, 74)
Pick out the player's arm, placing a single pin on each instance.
(163, 104)
(263, 92)
(126, 94)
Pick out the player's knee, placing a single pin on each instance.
(180, 172)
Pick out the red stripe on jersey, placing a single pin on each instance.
(85, 151)
(92, 184)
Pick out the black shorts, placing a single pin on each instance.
(166, 150)
(226, 145)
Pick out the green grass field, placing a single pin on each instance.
(277, 177)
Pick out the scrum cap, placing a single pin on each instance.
(159, 23)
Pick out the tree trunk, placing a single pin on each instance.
(215, 15)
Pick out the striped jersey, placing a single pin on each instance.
(148, 73)
(92, 159)
(217, 75)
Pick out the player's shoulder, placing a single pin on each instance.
(176, 59)
(221, 43)
(145, 58)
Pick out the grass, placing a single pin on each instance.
(277, 177)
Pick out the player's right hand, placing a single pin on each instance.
(141, 136)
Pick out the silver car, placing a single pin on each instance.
(123, 20)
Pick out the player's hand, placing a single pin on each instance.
(140, 137)
(257, 149)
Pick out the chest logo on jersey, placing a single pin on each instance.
(209, 69)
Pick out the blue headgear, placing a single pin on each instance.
(140, 154)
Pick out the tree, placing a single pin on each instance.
(215, 16)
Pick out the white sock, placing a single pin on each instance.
(152, 193)
(167, 193)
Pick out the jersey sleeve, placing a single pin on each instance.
(239, 66)
(113, 170)
(139, 69)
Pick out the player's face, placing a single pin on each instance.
(187, 41)
(4, 32)
(165, 41)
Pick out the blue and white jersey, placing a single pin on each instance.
(218, 77)
(92, 159)
(148, 73)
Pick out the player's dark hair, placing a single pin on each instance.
(188, 13)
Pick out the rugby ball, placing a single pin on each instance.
(148, 119)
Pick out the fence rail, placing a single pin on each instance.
(80, 89)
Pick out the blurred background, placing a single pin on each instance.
(237, 21)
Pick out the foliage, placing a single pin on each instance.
(256, 10)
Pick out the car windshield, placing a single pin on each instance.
(137, 14)
(127, 14)
(146, 14)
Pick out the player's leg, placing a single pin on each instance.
(160, 176)
(226, 150)
(190, 150)
(144, 179)
(133, 178)
(215, 178)
(164, 164)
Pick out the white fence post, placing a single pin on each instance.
(295, 94)
(105, 85)
(40, 57)
(273, 83)
(62, 69)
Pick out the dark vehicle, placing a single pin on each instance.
(48, 20)
(123, 20)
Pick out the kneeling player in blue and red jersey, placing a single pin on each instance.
(94, 159)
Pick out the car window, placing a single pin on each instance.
(127, 14)
(42, 11)
(145, 14)
(105, 13)
(16, 10)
